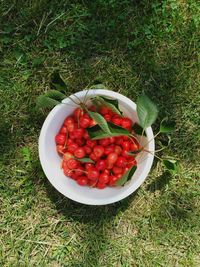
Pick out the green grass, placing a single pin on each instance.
(131, 47)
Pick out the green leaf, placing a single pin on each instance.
(167, 127)
(85, 160)
(54, 94)
(113, 104)
(96, 132)
(58, 82)
(171, 165)
(127, 176)
(138, 129)
(46, 102)
(99, 119)
(147, 111)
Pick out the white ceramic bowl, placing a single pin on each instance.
(50, 159)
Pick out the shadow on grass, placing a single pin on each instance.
(97, 221)
(160, 182)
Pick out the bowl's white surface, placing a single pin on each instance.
(50, 159)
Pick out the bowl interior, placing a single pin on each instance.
(51, 161)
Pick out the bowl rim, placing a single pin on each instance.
(85, 200)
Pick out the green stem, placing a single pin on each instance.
(152, 154)
(152, 139)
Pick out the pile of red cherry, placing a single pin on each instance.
(109, 155)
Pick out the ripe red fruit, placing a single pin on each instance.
(104, 178)
(80, 142)
(104, 110)
(69, 142)
(125, 153)
(63, 130)
(72, 164)
(67, 172)
(117, 170)
(101, 164)
(88, 166)
(119, 140)
(109, 149)
(67, 156)
(104, 142)
(91, 143)
(131, 163)
(88, 150)
(78, 112)
(107, 117)
(126, 145)
(79, 171)
(100, 185)
(126, 138)
(98, 151)
(86, 135)
(60, 139)
(92, 108)
(107, 171)
(82, 180)
(60, 149)
(116, 119)
(92, 183)
(134, 147)
(126, 123)
(79, 152)
(72, 147)
(111, 159)
(78, 133)
(84, 121)
(112, 139)
(112, 180)
(118, 150)
(92, 122)
(71, 127)
(93, 174)
(121, 162)
(93, 157)
(69, 120)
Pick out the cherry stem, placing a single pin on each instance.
(152, 154)
(73, 100)
(152, 139)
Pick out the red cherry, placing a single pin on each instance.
(69, 142)
(63, 130)
(79, 152)
(92, 122)
(69, 120)
(93, 174)
(118, 150)
(72, 164)
(132, 163)
(86, 135)
(92, 108)
(78, 133)
(67, 156)
(79, 171)
(84, 121)
(134, 147)
(93, 157)
(78, 112)
(104, 178)
(126, 145)
(125, 153)
(116, 119)
(107, 117)
(101, 164)
(80, 142)
(88, 166)
(60, 149)
(112, 139)
(119, 140)
(72, 147)
(126, 138)
(104, 142)
(60, 139)
(71, 127)
(121, 162)
(100, 185)
(109, 149)
(92, 183)
(104, 110)
(91, 143)
(88, 150)
(82, 180)
(127, 123)
(112, 180)
(107, 171)
(98, 151)
(117, 170)
(111, 159)
(67, 172)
